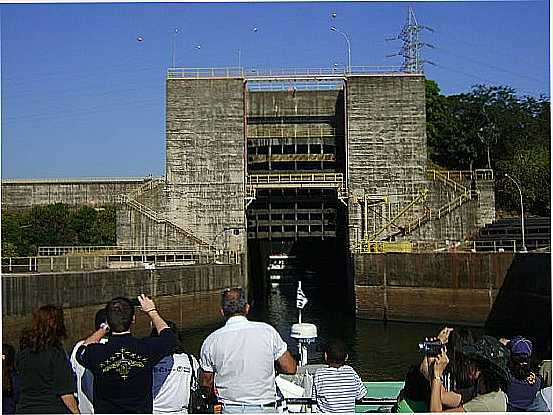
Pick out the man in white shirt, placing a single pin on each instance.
(84, 376)
(238, 360)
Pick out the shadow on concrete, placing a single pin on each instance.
(523, 304)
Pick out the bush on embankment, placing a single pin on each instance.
(56, 225)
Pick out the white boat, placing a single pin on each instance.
(282, 268)
(296, 389)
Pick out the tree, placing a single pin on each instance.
(462, 129)
(56, 225)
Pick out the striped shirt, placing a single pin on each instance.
(336, 388)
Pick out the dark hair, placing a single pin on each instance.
(120, 313)
(416, 386)
(179, 347)
(47, 329)
(459, 367)
(233, 301)
(489, 380)
(519, 366)
(8, 367)
(336, 352)
(100, 317)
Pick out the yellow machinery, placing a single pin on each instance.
(380, 247)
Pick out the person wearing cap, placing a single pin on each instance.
(238, 360)
(488, 362)
(524, 383)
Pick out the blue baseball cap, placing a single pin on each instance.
(520, 345)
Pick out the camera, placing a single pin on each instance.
(431, 348)
(135, 302)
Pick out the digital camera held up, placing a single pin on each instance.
(431, 347)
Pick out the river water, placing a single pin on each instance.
(378, 351)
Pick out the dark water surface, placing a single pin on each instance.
(378, 351)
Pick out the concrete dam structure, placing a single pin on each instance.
(263, 163)
(322, 165)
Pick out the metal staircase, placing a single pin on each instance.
(465, 194)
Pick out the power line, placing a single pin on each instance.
(473, 76)
(498, 68)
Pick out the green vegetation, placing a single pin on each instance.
(54, 225)
(516, 131)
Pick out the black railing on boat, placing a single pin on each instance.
(364, 401)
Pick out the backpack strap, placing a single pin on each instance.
(193, 378)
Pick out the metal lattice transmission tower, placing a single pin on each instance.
(412, 44)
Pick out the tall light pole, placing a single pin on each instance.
(349, 46)
(521, 212)
(174, 46)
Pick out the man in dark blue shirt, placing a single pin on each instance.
(122, 366)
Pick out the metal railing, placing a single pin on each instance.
(127, 258)
(447, 179)
(268, 85)
(297, 179)
(73, 250)
(256, 73)
(160, 218)
(379, 247)
(70, 180)
(464, 175)
(144, 187)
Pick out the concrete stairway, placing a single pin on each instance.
(129, 200)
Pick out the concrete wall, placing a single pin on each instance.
(25, 193)
(189, 294)
(206, 158)
(457, 288)
(464, 221)
(386, 130)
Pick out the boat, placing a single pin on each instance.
(282, 268)
(295, 390)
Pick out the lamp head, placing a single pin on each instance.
(333, 28)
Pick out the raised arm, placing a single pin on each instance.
(287, 364)
(148, 307)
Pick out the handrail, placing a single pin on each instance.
(148, 185)
(465, 175)
(91, 262)
(153, 215)
(363, 401)
(240, 72)
(445, 178)
(295, 178)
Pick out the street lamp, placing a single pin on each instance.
(174, 46)
(349, 46)
(521, 212)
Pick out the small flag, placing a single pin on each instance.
(301, 299)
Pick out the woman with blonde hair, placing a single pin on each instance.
(43, 366)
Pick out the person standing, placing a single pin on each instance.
(84, 377)
(122, 367)
(525, 383)
(43, 366)
(337, 386)
(174, 377)
(488, 362)
(238, 360)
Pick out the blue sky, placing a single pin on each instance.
(81, 96)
